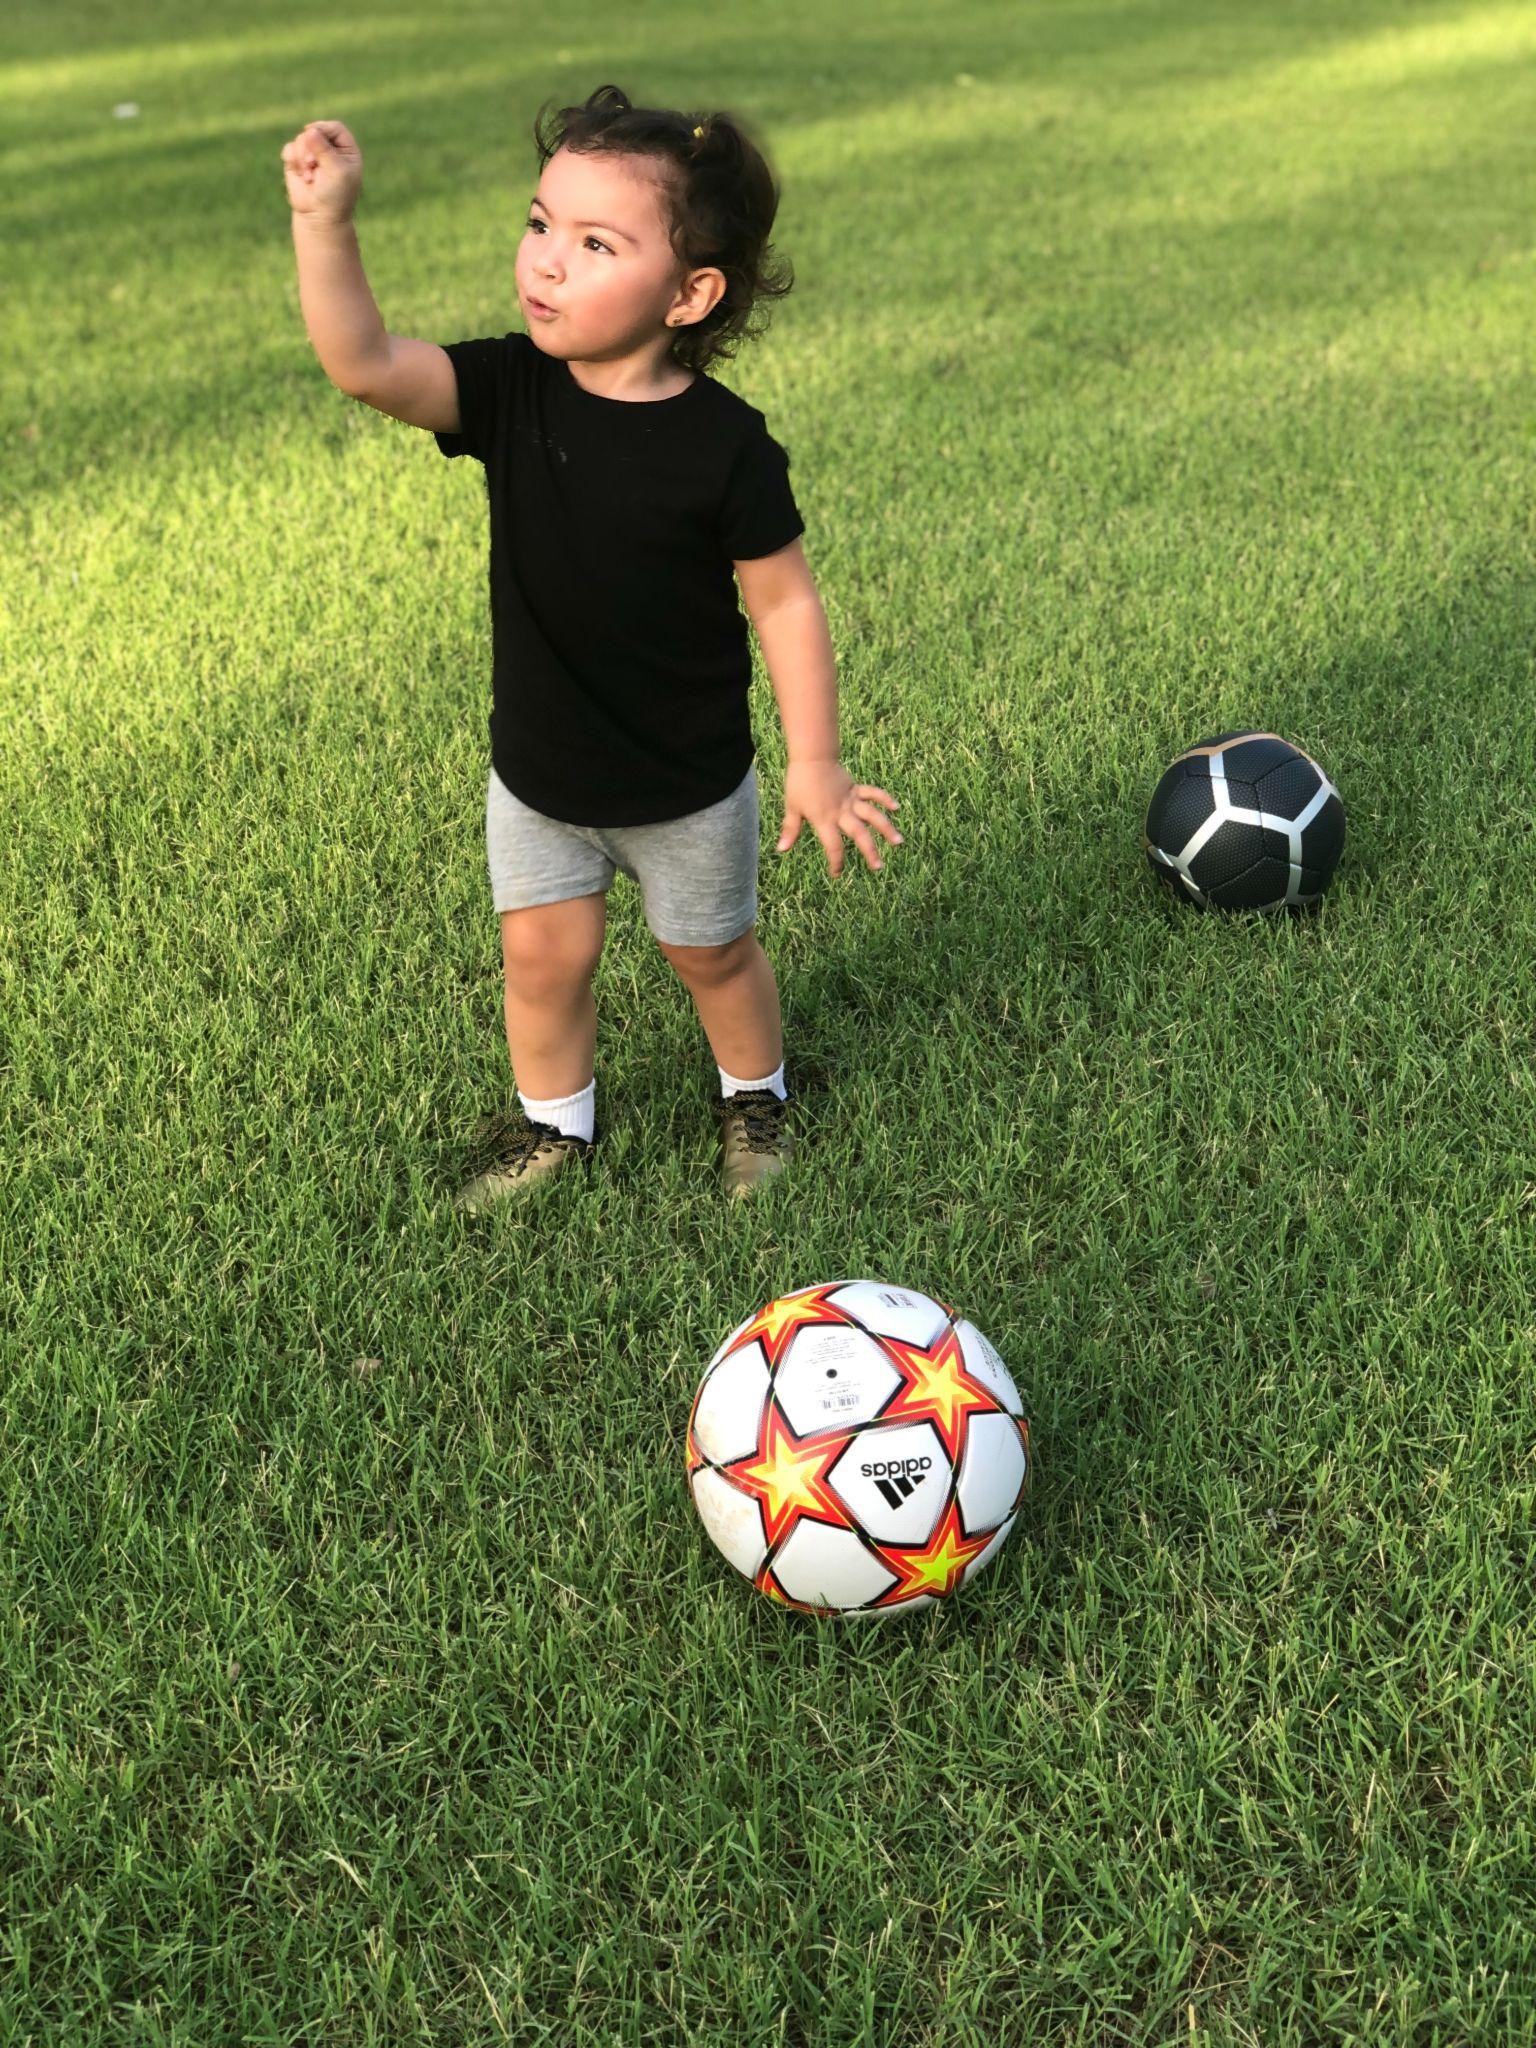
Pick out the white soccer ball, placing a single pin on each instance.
(857, 1448)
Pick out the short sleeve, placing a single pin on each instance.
(481, 370)
(758, 515)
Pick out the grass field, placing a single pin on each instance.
(365, 1675)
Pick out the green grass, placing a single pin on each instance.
(365, 1676)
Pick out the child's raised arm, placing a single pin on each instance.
(410, 380)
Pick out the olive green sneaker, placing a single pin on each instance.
(755, 1143)
(524, 1154)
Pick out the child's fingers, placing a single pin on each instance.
(867, 790)
(832, 845)
(789, 831)
(859, 834)
(880, 821)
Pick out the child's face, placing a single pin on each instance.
(596, 253)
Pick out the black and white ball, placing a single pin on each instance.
(1245, 821)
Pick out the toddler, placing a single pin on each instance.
(626, 489)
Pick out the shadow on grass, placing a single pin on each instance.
(204, 192)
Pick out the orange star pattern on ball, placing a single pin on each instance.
(787, 1477)
(773, 1326)
(938, 1389)
(938, 1567)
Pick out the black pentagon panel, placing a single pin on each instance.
(1231, 850)
(1180, 805)
(1323, 840)
(1261, 887)
(1312, 884)
(1286, 791)
(1251, 759)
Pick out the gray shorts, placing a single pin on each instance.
(697, 875)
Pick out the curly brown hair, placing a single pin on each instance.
(719, 196)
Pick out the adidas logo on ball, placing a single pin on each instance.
(892, 1477)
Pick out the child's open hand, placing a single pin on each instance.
(824, 795)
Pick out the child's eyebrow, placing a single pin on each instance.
(606, 228)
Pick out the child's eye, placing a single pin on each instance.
(534, 222)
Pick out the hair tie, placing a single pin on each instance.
(698, 131)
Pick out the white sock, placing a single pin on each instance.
(729, 1085)
(575, 1115)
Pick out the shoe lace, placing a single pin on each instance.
(761, 1115)
(512, 1142)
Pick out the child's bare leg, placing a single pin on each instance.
(549, 955)
(738, 1003)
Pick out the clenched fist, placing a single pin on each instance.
(323, 170)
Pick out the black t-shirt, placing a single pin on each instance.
(621, 663)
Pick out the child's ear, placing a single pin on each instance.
(702, 292)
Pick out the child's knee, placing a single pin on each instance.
(554, 947)
(709, 966)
